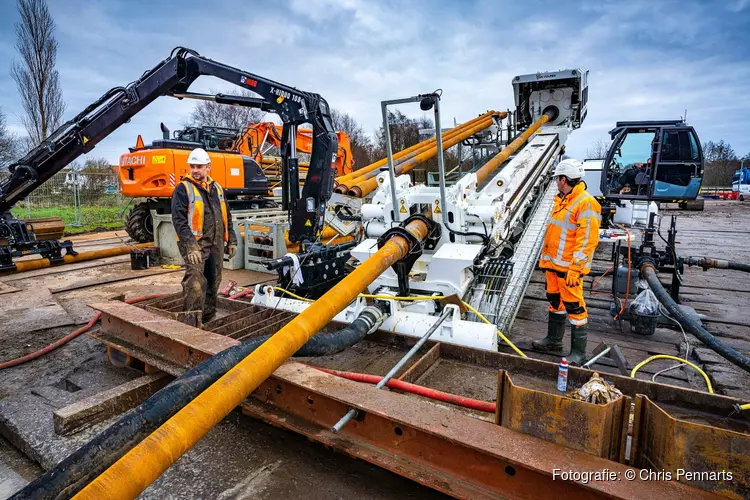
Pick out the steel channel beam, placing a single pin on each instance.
(441, 448)
(666, 443)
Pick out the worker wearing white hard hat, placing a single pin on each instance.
(569, 243)
(203, 223)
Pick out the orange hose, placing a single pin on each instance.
(70, 336)
(143, 464)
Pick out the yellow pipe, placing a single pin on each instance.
(328, 232)
(143, 464)
(411, 149)
(665, 356)
(370, 170)
(511, 148)
(295, 247)
(28, 265)
(368, 186)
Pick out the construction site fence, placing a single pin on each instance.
(80, 198)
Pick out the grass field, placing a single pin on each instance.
(92, 218)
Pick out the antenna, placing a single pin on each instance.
(684, 119)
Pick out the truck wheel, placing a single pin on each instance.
(139, 224)
(696, 205)
(742, 198)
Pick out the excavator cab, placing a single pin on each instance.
(653, 161)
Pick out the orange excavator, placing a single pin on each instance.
(240, 162)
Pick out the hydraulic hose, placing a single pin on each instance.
(69, 476)
(649, 273)
(143, 464)
(419, 390)
(708, 262)
(68, 337)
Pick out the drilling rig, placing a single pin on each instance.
(486, 229)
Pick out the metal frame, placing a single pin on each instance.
(445, 449)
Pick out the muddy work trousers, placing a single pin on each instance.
(563, 298)
(201, 282)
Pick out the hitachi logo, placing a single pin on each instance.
(132, 160)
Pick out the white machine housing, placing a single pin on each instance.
(494, 211)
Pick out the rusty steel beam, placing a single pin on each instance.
(442, 448)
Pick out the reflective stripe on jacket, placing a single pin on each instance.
(573, 232)
(196, 207)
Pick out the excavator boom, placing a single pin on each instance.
(174, 75)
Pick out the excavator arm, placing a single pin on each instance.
(174, 75)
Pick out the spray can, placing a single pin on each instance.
(562, 376)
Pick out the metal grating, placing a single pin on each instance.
(524, 260)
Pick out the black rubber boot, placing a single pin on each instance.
(555, 333)
(578, 338)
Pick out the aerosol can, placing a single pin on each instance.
(562, 376)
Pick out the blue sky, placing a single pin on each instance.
(647, 59)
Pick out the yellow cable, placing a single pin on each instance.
(421, 297)
(744, 407)
(683, 361)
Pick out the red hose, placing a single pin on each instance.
(420, 390)
(70, 336)
(243, 293)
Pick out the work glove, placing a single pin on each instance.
(194, 257)
(231, 250)
(573, 278)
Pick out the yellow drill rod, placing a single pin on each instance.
(408, 153)
(511, 148)
(365, 187)
(142, 465)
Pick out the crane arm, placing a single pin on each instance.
(174, 75)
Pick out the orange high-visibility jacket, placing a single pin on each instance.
(196, 206)
(573, 232)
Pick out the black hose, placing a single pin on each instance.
(709, 262)
(649, 273)
(72, 474)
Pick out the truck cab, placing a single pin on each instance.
(653, 161)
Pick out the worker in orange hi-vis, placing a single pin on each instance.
(203, 223)
(569, 243)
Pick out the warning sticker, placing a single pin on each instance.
(403, 207)
(437, 210)
(156, 160)
(308, 223)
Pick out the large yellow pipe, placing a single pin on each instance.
(411, 151)
(366, 187)
(142, 465)
(28, 265)
(328, 232)
(511, 148)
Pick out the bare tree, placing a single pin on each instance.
(598, 150)
(8, 143)
(721, 163)
(36, 78)
(361, 145)
(213, 114)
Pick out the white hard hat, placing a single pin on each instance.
(198, 156)
(570, 168)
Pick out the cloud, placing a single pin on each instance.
(647, 60)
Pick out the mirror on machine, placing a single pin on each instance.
(660, 161)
